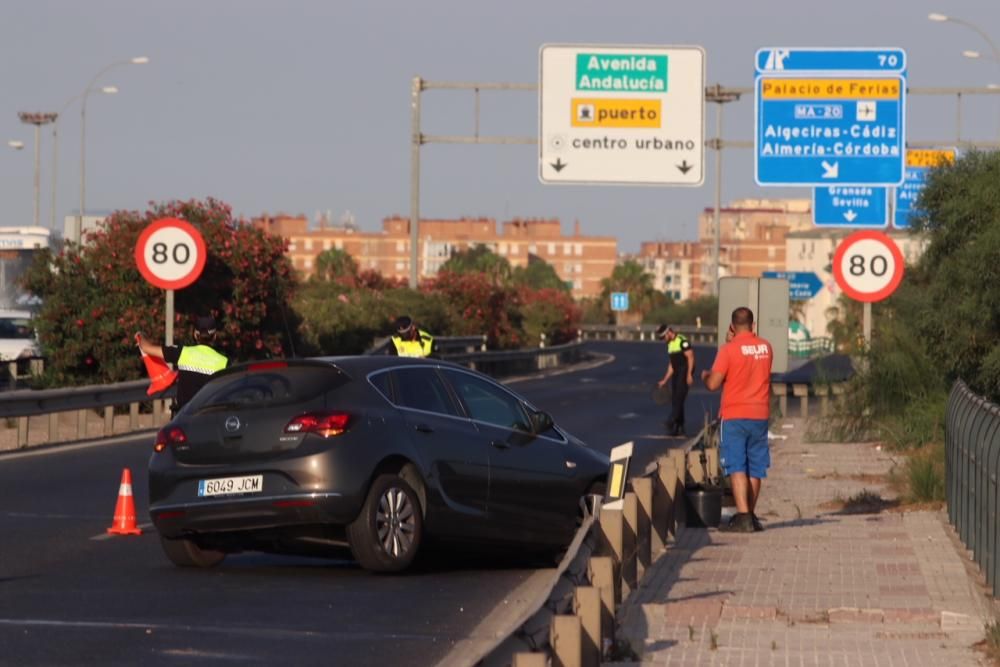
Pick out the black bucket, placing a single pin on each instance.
(704, 506)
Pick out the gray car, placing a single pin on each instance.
(379, 453)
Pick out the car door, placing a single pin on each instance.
(532, 491)
(457, 461)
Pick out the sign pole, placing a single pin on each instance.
(867, 323)
(168, 337)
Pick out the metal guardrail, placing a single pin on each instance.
(644, 332)
(504, 363)
(972, 468)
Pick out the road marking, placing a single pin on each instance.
(586, 380)
(36, 515)
(60, 449)
(108, 536)
(628, 415)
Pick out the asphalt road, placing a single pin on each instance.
(69, 595)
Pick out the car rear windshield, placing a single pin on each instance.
(267, 387)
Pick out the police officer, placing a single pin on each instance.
(411, 341)
(680, 375)
(195, 364)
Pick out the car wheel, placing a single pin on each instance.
(185, 553)
(387, 533)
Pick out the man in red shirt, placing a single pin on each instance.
(743, 370)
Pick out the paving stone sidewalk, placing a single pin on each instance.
(819, 586)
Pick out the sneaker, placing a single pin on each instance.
(758, 527)
(739, 523)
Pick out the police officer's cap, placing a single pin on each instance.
(206, 324)
(404, 324)
(661, 331)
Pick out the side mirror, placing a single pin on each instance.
(541, 422)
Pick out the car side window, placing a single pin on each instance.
(381, 382)
(422, 389)
(487, 402)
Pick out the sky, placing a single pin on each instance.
(302, 106)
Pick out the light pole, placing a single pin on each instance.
(106, 90)
(37, 119)
(78, 227)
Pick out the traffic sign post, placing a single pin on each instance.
(621, 115)
(802, 286)
(850, 206)
(171, 255)
(829, 116)
(868, 267)
(918, 166)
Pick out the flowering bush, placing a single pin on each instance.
(94, 299)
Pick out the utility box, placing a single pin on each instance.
(768, 299)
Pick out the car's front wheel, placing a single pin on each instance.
(387, 533)
(185, 553)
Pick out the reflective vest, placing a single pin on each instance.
(414, 348)
(201, 359)
(674, 346)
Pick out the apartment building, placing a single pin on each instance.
(673, 265)
(581, 261)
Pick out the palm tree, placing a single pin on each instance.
(631, 277)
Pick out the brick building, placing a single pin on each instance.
(581, 261)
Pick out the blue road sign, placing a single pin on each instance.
(850, 206)
(840, 60)
(619, 301)
(802, 286)
(907, 195)
(830, 117)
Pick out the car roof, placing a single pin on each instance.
(358, 365)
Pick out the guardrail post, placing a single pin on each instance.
(663, 503)
(587, 605)
(679, 460)
(612, 525)
(823, 391)
(53, 427)
(839, 392)
(643, 488)
(81, 424)
(802, 391)
(133, 416)
(781, 391)
(530, 660)
(22, 431)
(601, 573)
(630, 541)
(565, 635)
(109, 420)
(157, 412)
(12, 369)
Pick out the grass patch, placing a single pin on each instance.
(991, 642)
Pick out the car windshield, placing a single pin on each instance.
(15, 327)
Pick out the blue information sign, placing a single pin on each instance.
(830, 117)
(619, 301)
(907, 194)
(802, 286)
(850, 206)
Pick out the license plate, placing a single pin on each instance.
(225, 486)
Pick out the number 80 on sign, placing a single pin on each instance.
(170, 253)
(868, 266)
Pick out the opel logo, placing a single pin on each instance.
(232, 424)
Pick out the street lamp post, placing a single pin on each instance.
(78, 227)
(37, 119)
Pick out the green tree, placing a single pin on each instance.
(335, 265)
(479, 259)
(94, 299)
(631, 277)
(538, 274)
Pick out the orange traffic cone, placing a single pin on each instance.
(124, 521)
(160, 374)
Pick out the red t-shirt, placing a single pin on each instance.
(745, 365)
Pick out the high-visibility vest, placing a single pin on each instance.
(421, 347)
(674, 346)
(201, 359)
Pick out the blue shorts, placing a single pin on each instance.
(743, 447)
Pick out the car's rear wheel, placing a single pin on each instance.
(185, 553)
(387, 533)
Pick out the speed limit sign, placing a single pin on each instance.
(868, 266)
(170, 253)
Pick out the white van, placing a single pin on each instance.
(17, 336)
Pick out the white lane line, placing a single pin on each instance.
(36, 515)
(628, 415)
(108, 536)
(588, 380)
(60, 449)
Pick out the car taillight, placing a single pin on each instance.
(171, 435)
(326, 424)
